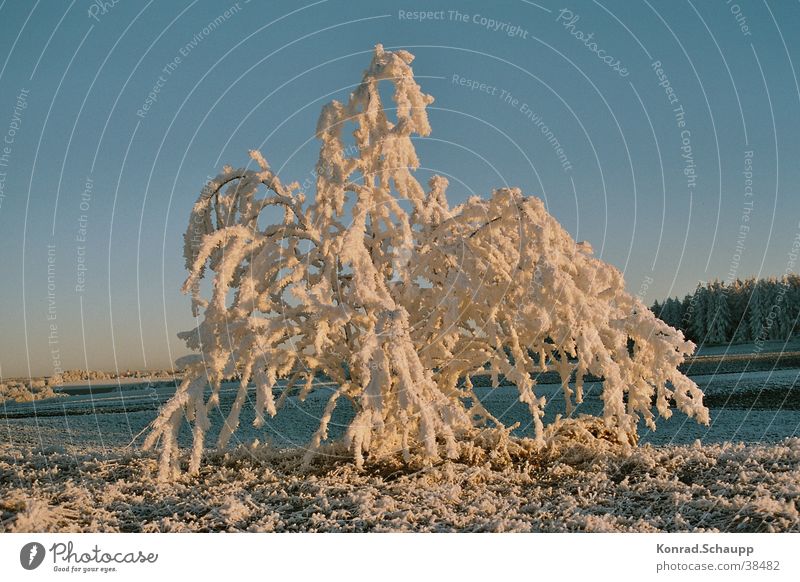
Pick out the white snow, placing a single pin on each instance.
(580, 483)
(22, 391)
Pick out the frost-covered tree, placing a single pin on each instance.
(700, 310)
(792, 304)
(672, 312)
(774, 308)
(742, 332)
(749, 310)
(738, 294)
(718, 314)
(756, 310)
(660, 310)
(399, 298)
(687, 311)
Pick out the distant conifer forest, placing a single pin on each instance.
(738, 312)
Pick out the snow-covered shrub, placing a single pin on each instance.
(399, 308)
(19, 391)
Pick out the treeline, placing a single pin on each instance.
(743, 311)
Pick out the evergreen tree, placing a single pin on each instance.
(792, 304)
(699, 310)
(771, 307)
(658, 310)
(686, 317)
(749, 310)
(741, 331)
(782, 323)
(665, 312)
(755, 311)
(673, 312)
(719, 315)
(737, 302)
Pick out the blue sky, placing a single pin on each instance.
(98, 189)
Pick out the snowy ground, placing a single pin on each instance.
(86, 479)
(117, 382)
(584, 484)
(752, 407)
(767, 347)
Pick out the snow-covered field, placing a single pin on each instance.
(115, 382)
(767, 347)
(25, 392)
(582, 484)
(751, 407)
(64, 466)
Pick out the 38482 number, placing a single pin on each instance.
(762, 565)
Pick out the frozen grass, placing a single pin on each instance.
(581, 483)
(26, 392)
(750, 349)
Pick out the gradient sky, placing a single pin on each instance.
(73, 77)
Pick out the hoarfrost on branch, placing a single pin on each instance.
(399, 299)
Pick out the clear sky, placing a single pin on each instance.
(97, 178)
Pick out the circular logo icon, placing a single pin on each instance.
(31, 555)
